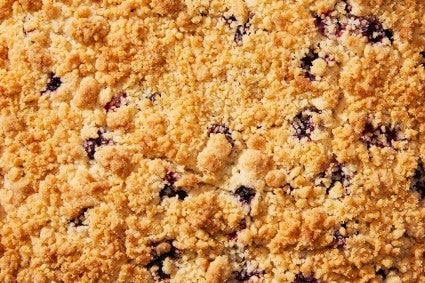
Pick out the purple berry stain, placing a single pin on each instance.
(245, 194)
(90, 145)
(158, 261)
(380, 135)
(303, 124)
(53, 83)
(116, 102)
(418, 180)
(221, 129)
(301, 278)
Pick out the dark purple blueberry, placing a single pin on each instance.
(245, 194)
(158, 261)
(418, 180)
(170, 192)
(154, 96)
(80, 218)
(372, 28)
(116, 102)
(221, 129)
(307, 63)
(379, 136)
(244, 275)
(90, 145)
(170, 177)
(303, 123)
(301, 278)
(53, 83)
(338, 240)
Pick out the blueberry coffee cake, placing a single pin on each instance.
(212, 141)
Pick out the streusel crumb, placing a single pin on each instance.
(212, 141)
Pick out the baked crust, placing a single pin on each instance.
(212, 141)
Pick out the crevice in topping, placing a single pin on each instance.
(80, 218)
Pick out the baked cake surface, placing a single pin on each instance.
(212, 141)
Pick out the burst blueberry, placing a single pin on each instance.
(307, 63)
(245, 194)
(301, 278)
(418, 180)
(53, 83)
(116, 102)
(90, 145)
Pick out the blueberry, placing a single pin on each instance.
(116, 102)
(301, 278)
(373, 30)
(338, 240)
(379, 136)
(307, 63)
(221, 129)
(90, 145)
(80, 218)
(244, 275)
(170, 192)
(158, 261)
(303, 123)
(245, 194)
(418, 180)
(53, 83)
(170, 177)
